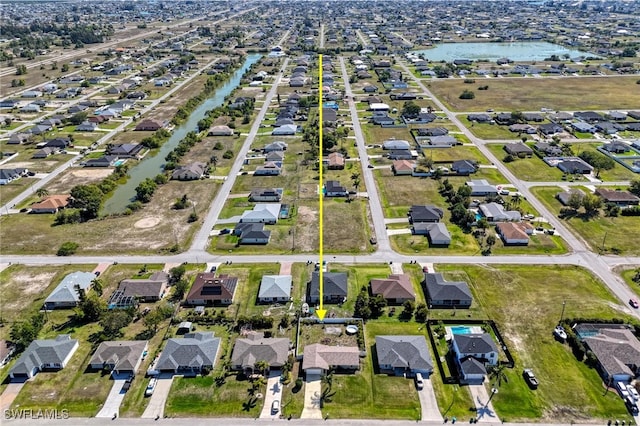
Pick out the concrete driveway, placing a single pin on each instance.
(273, 393)
(159, 397)
(484, 408)
(10, 393)
(312, 397)
(112, 404)
(429, 404)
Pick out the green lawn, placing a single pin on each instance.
(249, 278)
(458, 152)
(486, 130)
(530, 169)
(526, 319)
(620, 233)
(618, 172)
(201, 397)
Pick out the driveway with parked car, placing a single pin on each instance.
(272, 397)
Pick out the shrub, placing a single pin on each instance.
(467, 94)
(67, 248)
(228, 154)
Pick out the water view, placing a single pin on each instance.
(152, 165)
(520, 51)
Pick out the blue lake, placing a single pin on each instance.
(517, 51)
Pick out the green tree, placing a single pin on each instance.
(598, 161)
(361, 309)
(467, 94)
(497, 374)
(410, 109)
(421, 312)
(575, 200)
(591, 204)
(634, 187)
(145, 190)
(67, 248)
(408, 307)
(91, 308)
(78, 118)
(21, 69)
(97, 286)
(88, 199)
(179, 289)
(377, 305)
(262, 366)
(113, 321)
(42, 192)
(177, 272)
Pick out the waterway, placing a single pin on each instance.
(516, 51)
(150, 166)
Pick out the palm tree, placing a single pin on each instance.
(42, 192)
(497, 373)
(425, 163)
(262, 366)
(96, 285)
(214, 161)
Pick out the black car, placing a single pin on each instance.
(127, 383)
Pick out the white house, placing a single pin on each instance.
(262, 213)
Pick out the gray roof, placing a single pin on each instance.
(40, 352)
(404, 352)
(275, 286)
(438, 232)
(470, 365)
(616, 350)
(65, 292)
(194, 350)
(123, 354)
(335, 284)
(396, 144)
(149, 287)
(481, 186)
(425, 213)
(498, 213)
(475, 343)
(246, 352)
(439, 289)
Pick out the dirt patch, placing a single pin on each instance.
(24, 164)
(95, 173)
(306, 229)
(147, 222)
(64, 182)
(562, 414)
(28, 284)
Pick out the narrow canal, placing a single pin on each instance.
(150, 166)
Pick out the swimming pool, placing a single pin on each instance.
(461, 329)
(119, 163)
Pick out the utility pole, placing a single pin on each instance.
(564, 302)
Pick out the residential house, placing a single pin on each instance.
(275, 146)
(565, 196)
(192, 171)
(479, 118)
(532, 116)
(514, 233)
(473, 352)
(286, 130)
(446, 294)
(396, 289)
(396, 144)
(207, 289)
(59, 143)
(149, 289)
(270, 168)
(547, 149)
(518, 149)
(550, 129)
(464, 167)
(252, 233)
(104, 161)
(588, 116)
(150, 125)
(275, 288)
(262, 213)
(266, 194)
(495, 212)
(574, 165)
(9, 175)
(65, 295)
(403, 167)
(125, 150)
(378, 107)
(318, 358)
(87, 126)
(616, 348)
(334, 289)
(403, 355)
(119, 356)
(190, 354)
(433, 131)
(437, 233)
(332, 188)
(616, 147)
(51, 204)
(370, 88)
(401, 154)
(220, 131)
(51, 354)
(619, 198)
(336, 161)
(523, 128)
(425, 214)
(274, 157)
(583, 127)
(18, 138)
(254, 348)
(480, 187)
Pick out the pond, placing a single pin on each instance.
(517, 51)
(152, 165)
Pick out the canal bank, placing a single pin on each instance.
(154, 164)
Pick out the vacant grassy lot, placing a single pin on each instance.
(619, 233)
(202, 397)
(24, 289)
(486, 130)
(154, 229)
(529, 94)
(358, 276)
(530, 169)
(249, 278)
(526, 319)
(457, 152)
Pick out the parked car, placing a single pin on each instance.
(530, 378)
(504, 192)
(633, 303)
(631, 405)
(127, 383)
(151, 387)
(633, 392)
(419, 381)
(622, 389)
(275, 407)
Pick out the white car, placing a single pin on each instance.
(151, 387)
(275, 407)
(504, 192)
(633, 392)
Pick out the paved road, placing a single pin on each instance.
(377, 215)
(112, 404)
(201, 239)
(273, 393)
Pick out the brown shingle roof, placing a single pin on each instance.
(397, 286)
